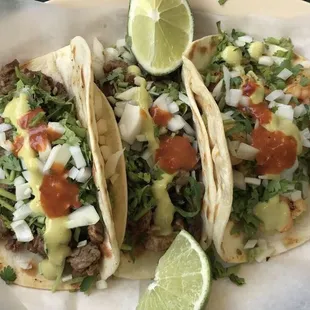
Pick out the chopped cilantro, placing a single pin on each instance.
(283, 42)
(221, 2)
(275, 187)
(237, 280)
(10, 162)
(8, 274)
(304, 81)
(88, 284)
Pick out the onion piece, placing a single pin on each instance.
(278, 60)
(250, 244)
(246, 38)
(163, 101)
(141, 138)
(305, 133)
(184, 98)
(253, 181)
(118, 111)
(288, 174)
(264, 254)
(246, 152)
(78, 157)
(22, 231)
(43, 155)
(285, 111)
(296, 195)
(111, 53)
(176, 123)
(59, 154)
(83, 175)
(299, 110)
(262, 244)
(73, 173)
(265, 61)
(245, 101)
(2, 137)
(83, 216)
(7, 145)
(55, 126)
(188, 129)
(67, 278)
(26, 175)
(240, 43)
(101, 285)
(275, 95)
(5, 127)
(173, 108)
(285, 74)
(22, 212)
(128, 94)
(305, 142)
(2, 174)
(81, 243)
(233, 146)
(19, 180)
(227, 83)
(217, 91)
(239, 180)
(147, 154)
(272, 104)
(22, 191)
(112, 162)
(235, 96)
(18, 204)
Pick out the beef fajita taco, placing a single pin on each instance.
(169, 171)
(56, 222)
(254, 98)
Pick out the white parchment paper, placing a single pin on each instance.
(29, 29)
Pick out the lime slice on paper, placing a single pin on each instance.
(160, 31)
(182, 278)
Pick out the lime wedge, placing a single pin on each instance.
(182, 278)
(160, 31)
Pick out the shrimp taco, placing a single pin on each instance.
(169, 172)
(254, 98)
(56, 223)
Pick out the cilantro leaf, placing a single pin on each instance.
(304, 81)
(275, 187)
(221, 2)
(87, 284)
(10, 162)
(8, 274)
(237, 280)
(283, 42)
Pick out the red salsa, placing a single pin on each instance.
(160, 117)
(175, 153)
(277, 151)
(57, 193)
(18, 144)
(26, 119)
(261, 112)
(249, 88)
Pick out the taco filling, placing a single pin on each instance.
(262, 89)
(163, 165)
(48, 197)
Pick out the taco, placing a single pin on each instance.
(56, 221)
(254, 98)
(169, 170)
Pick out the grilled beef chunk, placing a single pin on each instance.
(114, 64)
(85, 260)
(3, 230)
(195, 227)
(8, 77)
(95, 233)
(37, 246)
(144, 223)
(13, 245)
(158, 243)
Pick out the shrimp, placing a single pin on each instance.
(302, 93)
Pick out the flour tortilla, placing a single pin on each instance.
(71, 66)
(229, 247)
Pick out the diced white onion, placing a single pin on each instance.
(7, 145)
(21, 191)
(130, 123)
(233, 146)
(225, 117)
(217, 90)
(285, 111)
(299, 110)
(59, 154)
(73, 173)
(22, 231)
(246, 38)
(147, 154)
(23, 164)
(234, 97)
(2, 174)
(83, 175)
(296, 195)
(111, 164)
(66, 278)
(173, 107)
(264, 254)
(184, 98)
(128, 57)
(278, 60)
(305, 142)
(101, 285)
(138, 80)
(246, 152)
(250, 244)
(272, 104)
(265, 61)
(84, 216)
(275, 95)
(285, 74)
(262, 244)
(128, 94)
(189, 130)
(5, 127)
(227, 83)
(19, 180)
(288, 174)
(176, 123)
(286, 98)
(26, 175)
(2, 137)
(78, 157)
(190, 138)
(55, 126)
(22, 212)
(43, 155)
(240, 43)
(18, 204)
(265, 183)
(239, 180)
(106, 152)
(253, 181)
(245, 101)
(118, 111)
(163, 101)
(120, 43)
(111, 54)
(81, 243)
(141, 138)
